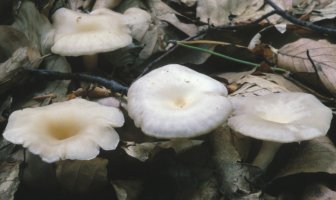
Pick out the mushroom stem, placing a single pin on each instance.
(90, 62)
(266, 153)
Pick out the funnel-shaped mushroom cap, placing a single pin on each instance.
(280, 117)
(86, 34)
(175, 102)
(73, 129)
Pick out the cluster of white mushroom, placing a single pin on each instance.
(169, 102)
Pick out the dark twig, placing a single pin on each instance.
(110, 84)
(314, 66)
(314, 27)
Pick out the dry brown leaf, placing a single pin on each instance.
(294, 57)
(327, 12)
(314, 156)
(36, 27)
(232, 77)
(11, 70)
(9, 179)
(144, 151)
(165, 13)
(233, 175)
(80, 176)
(219, 12)
(256, 86)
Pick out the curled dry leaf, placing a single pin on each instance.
(9, 179)
(314, 160)
(36, 26)
(326, 12)
(165, 13)
(80, 176)
(11, 70)
(246, 84)
(252, 85)
(233, 175)
(144, 151)
(294, 57)
(221, 12)
(313, 156)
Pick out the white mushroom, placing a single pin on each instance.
(279, 118)
(73, 129)
(79, 34)
(176, 102)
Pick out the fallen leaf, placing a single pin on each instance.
(163, 12)
(256, 86)
(143, 151)
(313, 156)
(294, 57)
(82, 176)
(327, 12)
(12, 70)
(36, 27)
(9, 174)
(312, 160)
(9, 179)
(221, 12)
(232, 77)
(233, 176)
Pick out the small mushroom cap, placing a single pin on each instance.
(73, 129)
(85, 34)
(176, 102)
(280, 117)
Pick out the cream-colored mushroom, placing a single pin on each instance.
(176, 102)
(78, 34)
(73, 129)
(279, 118)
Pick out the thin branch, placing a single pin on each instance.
(181, 43)
(314, 66)
(110, 84)
(314, 27)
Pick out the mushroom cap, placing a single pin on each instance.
(280, 117)
(176, 102)
(85, 34)
(73, 129)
